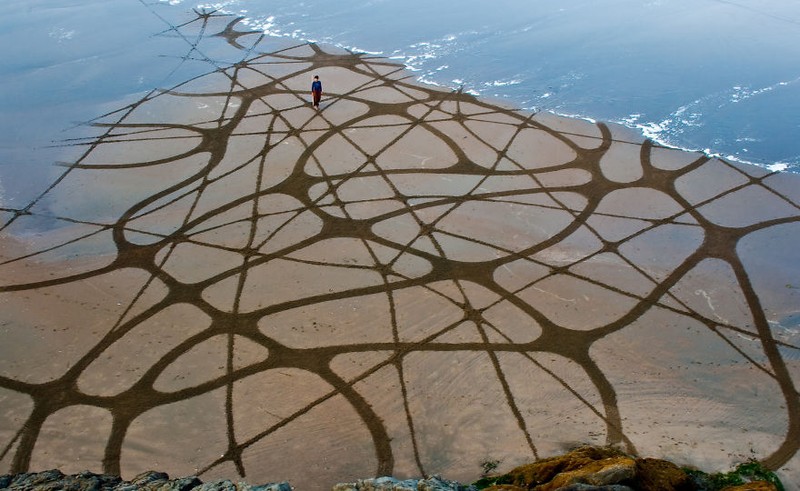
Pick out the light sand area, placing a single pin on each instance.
(409, 281)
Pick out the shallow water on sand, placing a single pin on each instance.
(712, 75)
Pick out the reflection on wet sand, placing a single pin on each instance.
(407, 282)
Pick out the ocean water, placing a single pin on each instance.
(714, 75)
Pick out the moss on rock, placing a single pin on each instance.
(609, 468)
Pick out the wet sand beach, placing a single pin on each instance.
(218, 279)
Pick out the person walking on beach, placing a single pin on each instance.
(316, 91)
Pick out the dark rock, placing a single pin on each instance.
(31, 480)
(227, 485)
(150, 477)
(377, 484)
(434, 483)
(54, 480)
(36, 478)
(660, 475)
(222, 485)
(279, 486)
(181, 484)
(592, 487)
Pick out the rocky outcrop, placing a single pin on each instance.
(434, 483)
(609, 469)
(660, 475)
(583, 469)
(752, 486)
(590, 466)
(86, 481)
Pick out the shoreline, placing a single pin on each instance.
(415, 62)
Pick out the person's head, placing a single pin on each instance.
(316, 77)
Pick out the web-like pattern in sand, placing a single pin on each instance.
(396, 226)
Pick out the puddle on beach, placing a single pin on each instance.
(228, 283)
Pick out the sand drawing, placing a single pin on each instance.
(228, 282)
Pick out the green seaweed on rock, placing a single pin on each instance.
(744, 473)
(488, 466)
(610, 466)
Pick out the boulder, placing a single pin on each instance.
(433, 483)
(604, 472)
(592, 487)
(544, 471)
(595, 468)
(149, 481)
(660, 475)
(753, 486)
